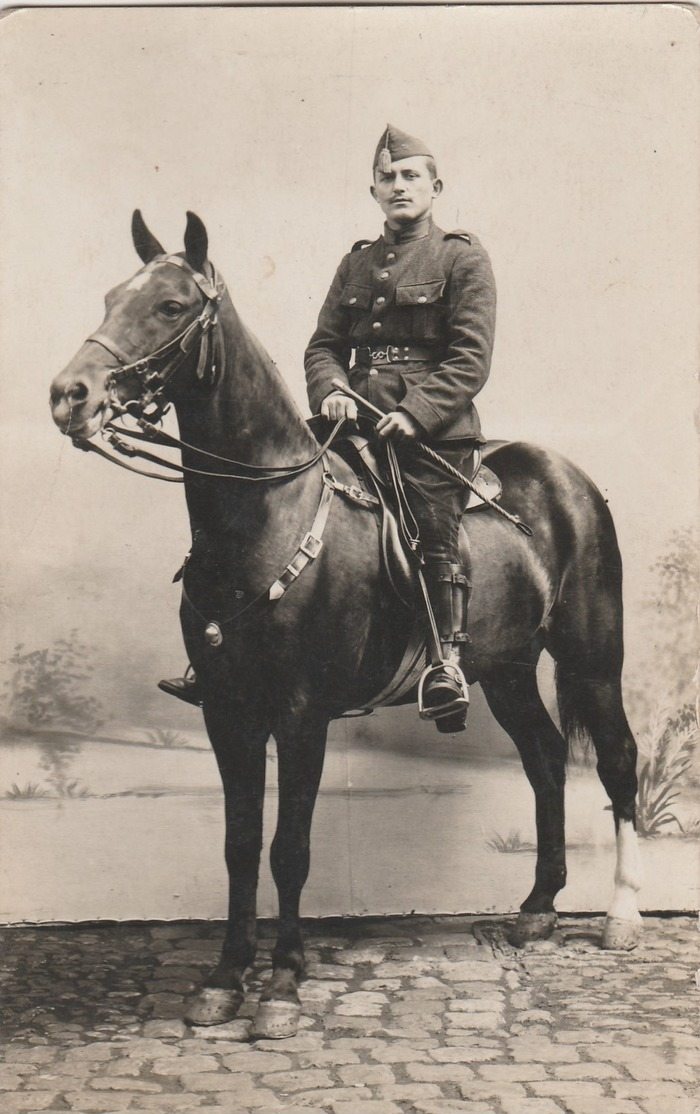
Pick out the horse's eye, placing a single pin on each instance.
(171, 309)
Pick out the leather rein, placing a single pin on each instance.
(154, 371)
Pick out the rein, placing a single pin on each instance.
(253, 473)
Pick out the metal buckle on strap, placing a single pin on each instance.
(393, 354)
(390, 353)
(311, 546)
(351, 491)
(360, 496)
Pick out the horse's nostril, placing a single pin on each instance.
(77, 394)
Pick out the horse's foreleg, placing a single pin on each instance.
(300, 752)
(240, 753)
(514, 699)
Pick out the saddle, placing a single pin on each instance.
(359, 452)
(375, 492)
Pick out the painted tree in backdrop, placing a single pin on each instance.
(665, 694)
(48, 701)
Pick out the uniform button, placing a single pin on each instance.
(376, 325)
(391, 256)
(352, 301)
(384, 275)
(373, 371)
(381, 301)
(422, 298)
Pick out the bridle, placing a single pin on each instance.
(154, 372)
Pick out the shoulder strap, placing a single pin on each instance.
(360, 244)
(458, 234)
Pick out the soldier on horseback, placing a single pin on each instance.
(408, 323)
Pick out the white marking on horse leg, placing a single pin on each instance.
(628, 874)
(623, 923)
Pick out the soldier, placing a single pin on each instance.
(408, 323)
(414, 311)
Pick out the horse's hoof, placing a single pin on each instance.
(619, 935)
(213, 1006)
(532, 926)
(276, 1019)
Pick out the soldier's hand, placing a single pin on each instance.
(337, 405)
(398, 426)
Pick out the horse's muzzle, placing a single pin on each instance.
(79, 397)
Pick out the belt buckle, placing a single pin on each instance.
(379, 354)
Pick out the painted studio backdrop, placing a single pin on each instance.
(567, 140)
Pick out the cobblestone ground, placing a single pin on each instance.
(421, 1015)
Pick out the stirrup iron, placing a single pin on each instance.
(460, 703)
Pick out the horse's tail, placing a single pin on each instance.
(575, 711)
(585, 635)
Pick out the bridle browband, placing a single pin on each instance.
(155, 371)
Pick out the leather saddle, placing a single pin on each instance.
(359, 452)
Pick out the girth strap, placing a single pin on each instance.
(408, 671)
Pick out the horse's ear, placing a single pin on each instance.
(144, 241)
(196, 242)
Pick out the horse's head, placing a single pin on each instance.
(156, 325)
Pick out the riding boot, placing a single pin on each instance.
(184, 688)
(445, 686)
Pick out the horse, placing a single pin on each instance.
(280, 646)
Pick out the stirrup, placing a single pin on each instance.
(184, 688)
(460, 702)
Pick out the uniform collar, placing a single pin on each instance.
(417, 231)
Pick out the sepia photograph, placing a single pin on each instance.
(349, 736)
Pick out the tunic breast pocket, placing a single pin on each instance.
(356, 297)
(420, 305)
(357, 300)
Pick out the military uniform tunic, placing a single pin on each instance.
(425, 290)
(416, 310)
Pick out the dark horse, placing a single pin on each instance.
(285, 666)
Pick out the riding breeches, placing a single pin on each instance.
(437, 500)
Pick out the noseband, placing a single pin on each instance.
(155, 370)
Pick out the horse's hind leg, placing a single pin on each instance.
(300, 751)
(513, 697)
(239, 745)
(594, 705)
(586, 642)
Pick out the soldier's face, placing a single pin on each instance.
(406, 192)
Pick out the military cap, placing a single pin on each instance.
(395, 145)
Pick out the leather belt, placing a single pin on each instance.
(395, 354)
